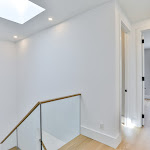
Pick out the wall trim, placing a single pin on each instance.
(101, 137)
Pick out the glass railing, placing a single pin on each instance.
(60, 122)
(29, 132)
(11, 141)
(48, 126)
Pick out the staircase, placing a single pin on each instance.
(49, 124)
(15, 148)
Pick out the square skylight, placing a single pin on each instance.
(19, 11)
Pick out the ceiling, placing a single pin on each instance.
(146, 39)
(136, 10)
(59, 10)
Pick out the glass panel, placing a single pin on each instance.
(29, 132)
(11, 142)
(60, 122)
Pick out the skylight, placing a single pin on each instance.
(19, 11)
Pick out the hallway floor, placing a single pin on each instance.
(137, 138)
(132, 138)
(147, 113)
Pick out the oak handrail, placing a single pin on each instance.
(37, 104)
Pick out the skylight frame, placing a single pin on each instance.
(19, 11)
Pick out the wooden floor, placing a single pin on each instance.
(147, 113)
(84, 143)
(132, 138)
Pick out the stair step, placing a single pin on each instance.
(15, 148)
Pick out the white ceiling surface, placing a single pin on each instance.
(147, 39)
(136, 10)
(59, 10)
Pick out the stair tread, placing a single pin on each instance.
(15, 148)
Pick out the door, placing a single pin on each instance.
(143, 79)
(124, 78)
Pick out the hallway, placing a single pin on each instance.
(137, 138)
(132, 138)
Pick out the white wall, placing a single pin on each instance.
(7, 88)
(77, 56)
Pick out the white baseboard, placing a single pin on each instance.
(137, 122)
(100, 137)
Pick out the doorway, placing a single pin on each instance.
(124, 54)
(146, 78)
(123, 76)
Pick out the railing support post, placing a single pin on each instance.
(17, 137)
(41, 124)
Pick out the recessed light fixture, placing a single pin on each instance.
(15, 36)
(19, 11)
(50, 19)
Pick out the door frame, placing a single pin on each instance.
(139, 72)
(122, 22)
(143, 75)
(127, 36)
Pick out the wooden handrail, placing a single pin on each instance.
(60, 98)
(21, 122)
(37, 104)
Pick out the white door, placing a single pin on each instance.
(143, 78)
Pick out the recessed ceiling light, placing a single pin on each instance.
(15, 36)
(19, 11)
(50, 19)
